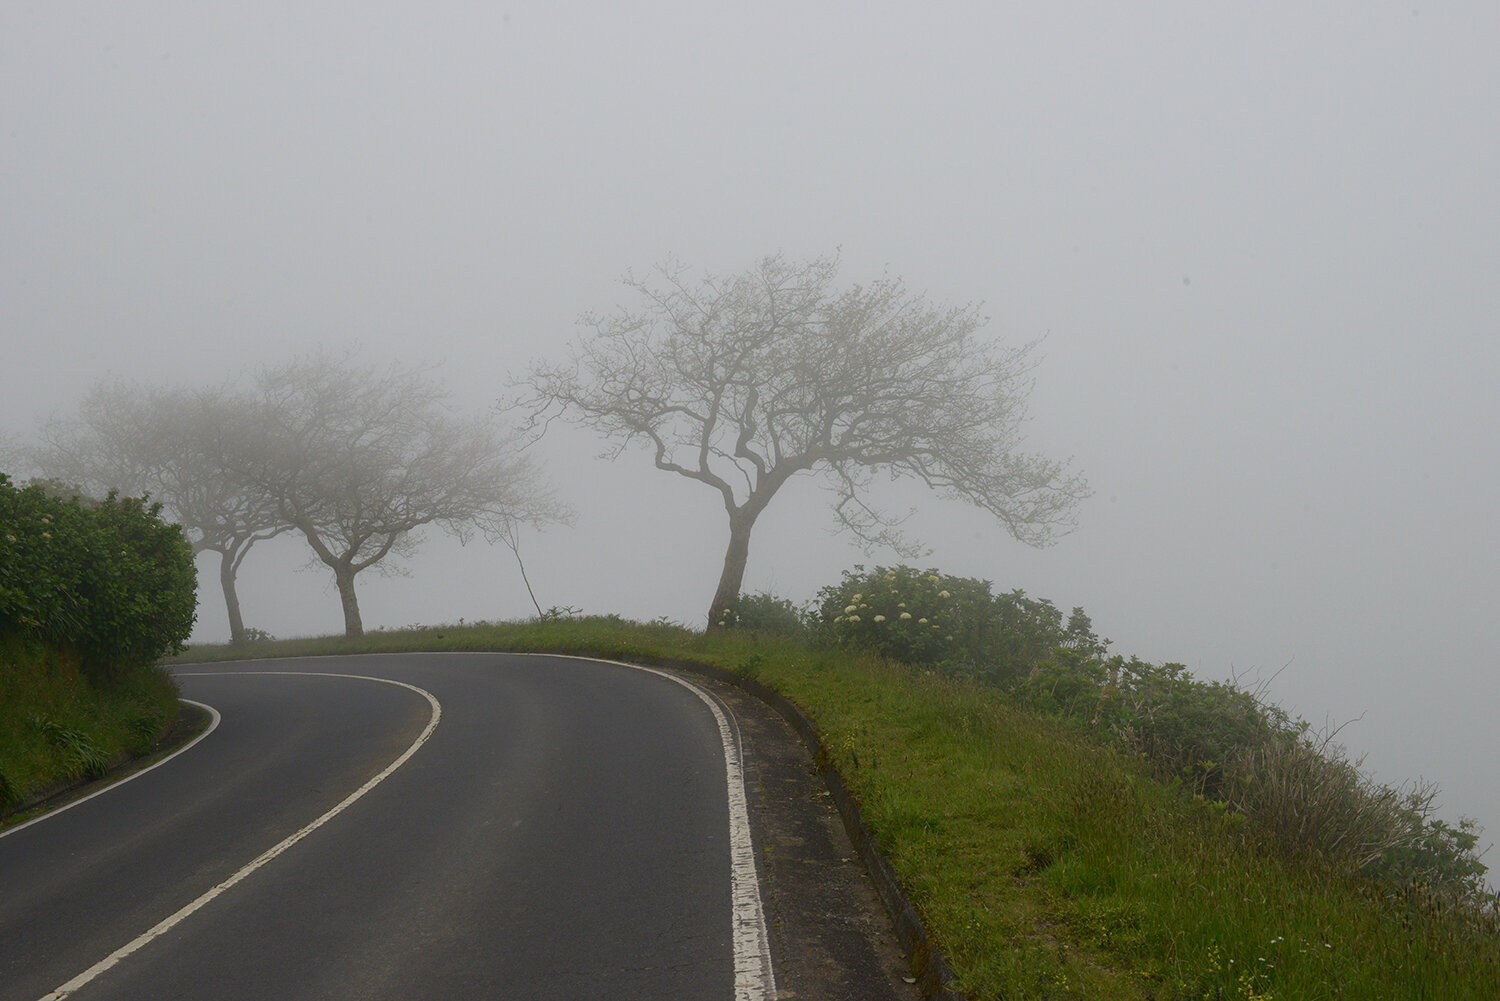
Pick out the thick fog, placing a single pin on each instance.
(1262, 243)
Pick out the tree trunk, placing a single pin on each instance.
(231, 598)
(735, 558)
(344, 577)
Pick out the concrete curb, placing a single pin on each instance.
(934, 977)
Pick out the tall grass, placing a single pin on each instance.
(1296, 791)
(56, 726)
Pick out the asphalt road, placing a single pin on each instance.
(559, 828)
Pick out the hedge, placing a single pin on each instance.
(105, 578)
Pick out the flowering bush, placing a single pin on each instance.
(906, 614)
(928, 617)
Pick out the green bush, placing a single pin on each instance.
(1296, 797)
(954, 623)
(764, 613)
(915, 616)
(1190, 728)
(107, 578)
(145, 598)
(45, 549)
(1437, 854)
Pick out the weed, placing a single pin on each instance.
(750, 666)
(56, 726)
(83, 759)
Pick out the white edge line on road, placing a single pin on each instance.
(213, 723)
(754, 975)
(171, 922)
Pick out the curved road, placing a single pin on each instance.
(558, 828)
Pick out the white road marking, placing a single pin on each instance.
(171, 922)
(213, 723)
(754, 976)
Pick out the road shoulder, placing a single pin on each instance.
(830, 932)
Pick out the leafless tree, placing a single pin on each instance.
(12, 455)
(358, 460)
(178, 446)
(743, 382)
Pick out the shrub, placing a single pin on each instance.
(106, 578)
(1191, 728)
(145, 600)
(45, 552)
(955, 623)
(1188, 729)
(1295, 795)
(1299, 796)
(1305, 797)
(1436, 854)
(1070, 684)
(916, 616)
(764, 613)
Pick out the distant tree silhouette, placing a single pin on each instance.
(741, 383)
(179, 446)
(356, 460)
(353, 459)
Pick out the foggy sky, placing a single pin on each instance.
(1262, 243)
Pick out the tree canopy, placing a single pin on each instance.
(357, 460)
(353, 459)
(179, 447)
(743, 382)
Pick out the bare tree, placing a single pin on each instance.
(178, 446)
(741, 383)
(12, 454)
(358, 460)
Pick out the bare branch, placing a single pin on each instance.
(358, 460)
(742, 382)
(179, 446)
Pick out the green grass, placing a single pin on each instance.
(56, 727)
(1045, 864)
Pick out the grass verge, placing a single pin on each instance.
(57, 728)
(1045, 864)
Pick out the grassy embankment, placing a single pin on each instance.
(1045, 864)
(92, 593)
(56, 728)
